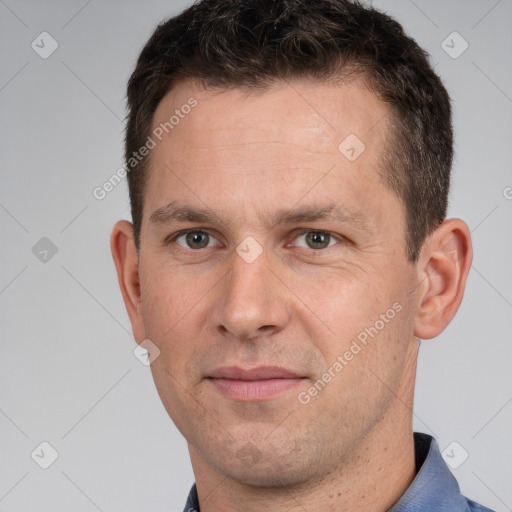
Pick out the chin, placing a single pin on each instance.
(265, 467)
(266, 475)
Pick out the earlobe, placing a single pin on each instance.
(125, 257)
(443, 267)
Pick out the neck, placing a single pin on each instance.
(379, 471)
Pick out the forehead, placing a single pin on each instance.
(314, 116)
(275, 144)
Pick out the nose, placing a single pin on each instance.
(251, 300)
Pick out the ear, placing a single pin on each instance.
(443, 267)
(124, 253)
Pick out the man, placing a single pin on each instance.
(289, 165)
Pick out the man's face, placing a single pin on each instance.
(251, 297)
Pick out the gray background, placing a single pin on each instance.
(68, 375)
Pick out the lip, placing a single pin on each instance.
(254, 384)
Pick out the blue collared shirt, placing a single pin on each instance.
(434, 489)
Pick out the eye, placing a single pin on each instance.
(199, 239)
(316, 240)
(194, 239)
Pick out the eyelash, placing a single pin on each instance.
(172, 239)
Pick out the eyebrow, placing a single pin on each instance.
(176, 212)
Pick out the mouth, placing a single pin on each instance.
(256, 384)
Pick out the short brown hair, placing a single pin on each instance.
(254, 43)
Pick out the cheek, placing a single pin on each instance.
(174, 313)
(340, 306)
(168, 294)
(365, 318)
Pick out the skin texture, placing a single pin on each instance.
(244, 156)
